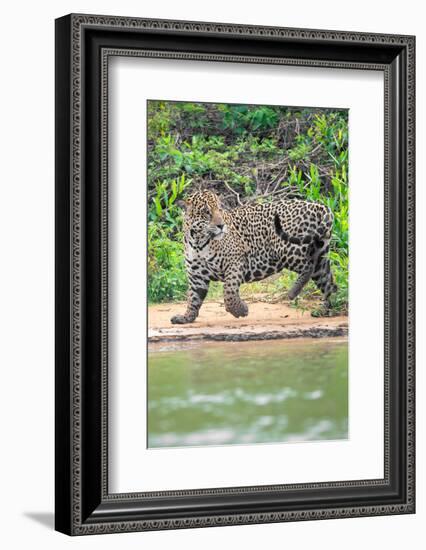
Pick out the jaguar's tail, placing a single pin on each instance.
(307, 238)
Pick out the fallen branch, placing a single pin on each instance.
(234, 192)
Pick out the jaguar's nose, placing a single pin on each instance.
(219, 226)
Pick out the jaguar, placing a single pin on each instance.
(251, 242)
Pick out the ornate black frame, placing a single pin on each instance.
(83, 46)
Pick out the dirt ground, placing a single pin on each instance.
(264, 321)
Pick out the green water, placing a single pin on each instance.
(247, 392)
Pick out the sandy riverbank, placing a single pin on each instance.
(265, 321)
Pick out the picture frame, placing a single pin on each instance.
(83, 503)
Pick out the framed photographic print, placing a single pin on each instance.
(234, 274)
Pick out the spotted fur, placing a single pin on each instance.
(250, 243)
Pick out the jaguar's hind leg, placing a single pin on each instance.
(301, 281)
(316, 251)
(323, 278)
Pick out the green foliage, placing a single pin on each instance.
(246, 151)
(166, 267)
(243, 118)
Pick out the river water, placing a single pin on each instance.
(226, 393)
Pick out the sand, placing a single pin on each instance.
(264, 321)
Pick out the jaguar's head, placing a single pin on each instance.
(204, 219)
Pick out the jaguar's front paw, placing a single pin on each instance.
(182, 319)
(239, 310)
(178, 320)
